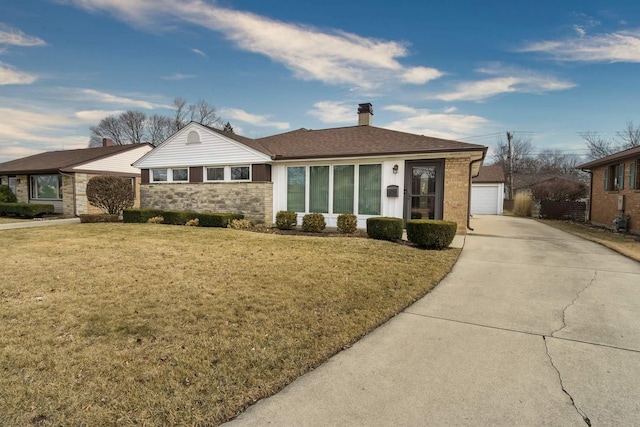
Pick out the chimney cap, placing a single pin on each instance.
(366, 107)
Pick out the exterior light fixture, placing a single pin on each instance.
(395, 169)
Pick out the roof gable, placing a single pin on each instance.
(55, 161)
(213, 148)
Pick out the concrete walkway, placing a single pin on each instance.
(38, 223)
(533, 327)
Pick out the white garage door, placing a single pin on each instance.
(484, 199)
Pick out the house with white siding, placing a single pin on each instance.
(60, 178)
(362, 170)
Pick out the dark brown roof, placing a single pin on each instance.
(490, 174)
(56, 161)
(251, 143)
(355, 141)
(631, 152)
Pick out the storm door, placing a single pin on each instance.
(424, 188)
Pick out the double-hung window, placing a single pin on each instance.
(614, 177)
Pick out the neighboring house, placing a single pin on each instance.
(364, 170)
(487, 191)
(60, 177)
(615, 188)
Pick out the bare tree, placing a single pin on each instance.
(180, 113)
(133, 125)
(600, 146)
(629, 137)
(109, 127)
(159, 128)
(522, 149)
(205, 113)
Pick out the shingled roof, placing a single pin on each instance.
(631, 152)
(56, 161)
(352, 141)
(490, 174)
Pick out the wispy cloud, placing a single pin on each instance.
(94, 116)
(178, 76)
(442, 125)
(254, 119)
(504, 80)
(14, 37)
(621, 46)
(334, 112)
(199, 52)
(108, 98)
(12, 76)
(329, 56)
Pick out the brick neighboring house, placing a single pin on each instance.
(364, 170)
(60, 178)
(615, 183)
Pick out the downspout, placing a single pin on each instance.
(469, 194)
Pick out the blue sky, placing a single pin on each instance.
(466, 70)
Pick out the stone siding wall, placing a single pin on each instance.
(68, 207)
(604, 204)
(456, 192)
(252, 199)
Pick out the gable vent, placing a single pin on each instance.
(193, 137)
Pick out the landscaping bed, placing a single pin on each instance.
(145, 324)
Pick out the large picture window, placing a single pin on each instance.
(319, 189)
(296, 188)
(343, 189)
(369, 189)
(47, 187)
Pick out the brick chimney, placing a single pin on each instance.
(107, 142)
(365, 112)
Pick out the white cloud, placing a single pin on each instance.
(441, 125)
(199, 52)
(254, 119)
(621, 46)
(94, 116)
(11, 76)
(420, 75)
(178, 76)
(14, 37)
(333, 57)
(108, 98)
(507, 80)
(334, 112)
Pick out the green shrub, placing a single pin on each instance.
(241, 224)
(6, 195)
(432, 234)
(112, 194)
(92, 218)
(180, 217)
(286, 220)
(313, 222)
(27, 210)
(384, 228)
(347, 223)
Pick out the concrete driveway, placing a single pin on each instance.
(533, 327)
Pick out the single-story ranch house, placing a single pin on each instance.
(60, 178)
(364, 170)
(615, 188)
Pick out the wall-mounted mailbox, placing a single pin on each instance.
(392, 191)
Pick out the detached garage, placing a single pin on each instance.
(487, 191)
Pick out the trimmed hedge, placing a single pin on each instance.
(91, 218)
(180, 217)
(286, 220)
(6, 195)
(347, 223)
(27, 210)
(431, 234)
(384, 228)
(313, 222)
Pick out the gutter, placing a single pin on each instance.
(484, 153)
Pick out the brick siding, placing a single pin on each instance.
(252, 199)
(456, 192)
(604, 204)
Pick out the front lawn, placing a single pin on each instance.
(12, 219)
(142, 324)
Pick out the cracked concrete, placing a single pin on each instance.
(478, 350)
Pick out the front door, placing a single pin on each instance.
(424, 185)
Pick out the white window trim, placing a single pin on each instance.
(33, 188)
(182, 180)
(238, 166)
(169, 176)
(224, 173)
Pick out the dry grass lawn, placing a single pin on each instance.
(142, 324)
(11, 219)
(626, 245)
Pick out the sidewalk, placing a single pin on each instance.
(39, 223)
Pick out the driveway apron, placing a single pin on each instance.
(532, 327)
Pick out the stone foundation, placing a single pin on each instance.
(252, 199)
